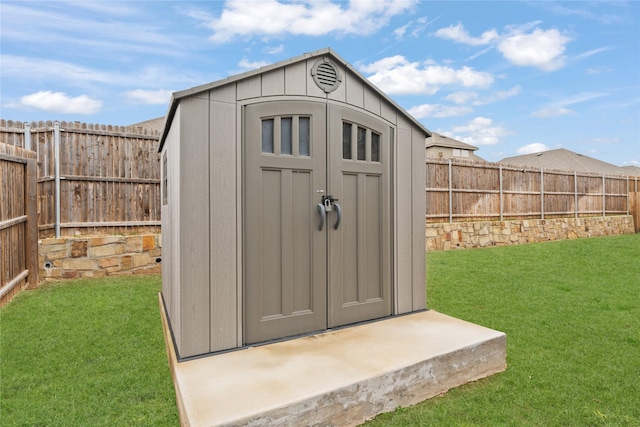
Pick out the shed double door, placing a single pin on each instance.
(309, 265)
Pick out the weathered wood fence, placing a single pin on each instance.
(460, 190)
(18, 221)
(92, 178)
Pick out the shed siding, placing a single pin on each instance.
(355, 90)
(194, 224)
(372, 102)
(404, 240)
(223, 221)
(203, 256)
(273, 82)
(418, 198)
(250, 87)
(170, 215)
(295, 82)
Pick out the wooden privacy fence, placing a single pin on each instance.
(460, 190)
(92, 178)
(18, 221)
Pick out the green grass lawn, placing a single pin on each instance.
(91, 352)
(86, 353)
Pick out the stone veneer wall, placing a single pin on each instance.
(461, 235)
(71, 257)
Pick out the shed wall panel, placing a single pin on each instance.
(388, 112)
(404, 238)
(249, 88)
(295, 82)
(170, 214)
(226, 93)
(372, 102)
(354, 89)
(273, 82)
(418, 171)
(222, 238)
(194, 227)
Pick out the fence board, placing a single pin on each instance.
(489, 191)
(18, 221)
(108, 174)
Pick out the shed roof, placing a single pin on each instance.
(326, 52)
(565, 160)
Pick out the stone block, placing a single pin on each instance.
(79, 264)
(106, 240)
(51, 256)
(154, 269)
(52, 241)
(139, 260)
(69, 274)
(113, 261)
(133, 244)
(106, 250)
(431, 231)
(148, 242)
(59, 247)
(79, 248)
(126, 262)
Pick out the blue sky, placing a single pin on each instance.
(510, 77)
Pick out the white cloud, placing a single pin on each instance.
(498, 96)
(478, 131)
(150, 97)
(438, 111)
(273, 50)
(275, 18)
(543, 49)
(251, 65)
(559, 108)
(462, 97)
(396, 75)
(536, 147)
(59, 102)
(544, 113)
(522, 46)
(458, 34)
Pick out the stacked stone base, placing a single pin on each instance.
(72, 257)
(465, 235)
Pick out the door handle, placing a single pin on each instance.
(338, 215)
(323, 215)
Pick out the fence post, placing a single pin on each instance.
(627, 195)
(450, 193)
(604, 198)
(56, 159)
(501, 201)
(575, 192)
(542, 193)
(27, 136)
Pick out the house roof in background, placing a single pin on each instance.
(563, 159)
(438, 140)
(156, 124)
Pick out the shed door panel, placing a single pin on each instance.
(298, 278)
(360, 249)
(285, 252)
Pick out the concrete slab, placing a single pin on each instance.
(336, 378)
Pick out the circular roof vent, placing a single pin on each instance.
(326, 75)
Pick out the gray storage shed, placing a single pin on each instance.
(293, 202)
